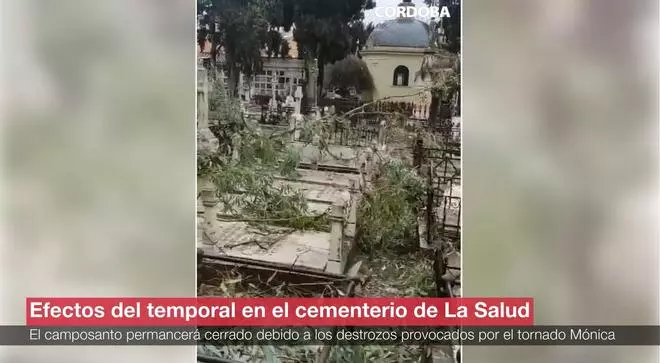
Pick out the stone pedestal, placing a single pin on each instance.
(316, 151)
(202, 98)
(382, 132)
(235, 147)
(273, 82)
(207, 144)
(335, 255)
(354, 192)
(210, 203)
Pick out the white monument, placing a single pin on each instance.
(297, 100)
(207, 144)
(290, 101)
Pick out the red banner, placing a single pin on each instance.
(279, 311)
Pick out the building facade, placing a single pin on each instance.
(280, 76)
(393, 53)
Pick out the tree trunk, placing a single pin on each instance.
(307, 98)
(319, 80)
(304, 102)
(458, 104)
(234, 72)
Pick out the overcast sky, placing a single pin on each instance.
(370, 15)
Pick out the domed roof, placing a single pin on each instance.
(400, 32)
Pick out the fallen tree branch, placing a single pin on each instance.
(348, 113)
(385, 99)
(312, 217)
(207, 359)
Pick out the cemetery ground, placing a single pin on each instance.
(298, 211)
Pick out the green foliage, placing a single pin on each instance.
(399, 274)
(243, 353)
(453, 29)
(248, 187)
(375, 353)
(219, 102)
(274, 43)
(287, 354)
(240, 27)
(442, 69)
(359, 34)
(352, 72)
(322, 28)
(387, 213)
(228, 122)
(251, 191)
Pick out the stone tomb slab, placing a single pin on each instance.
(328, 177)
(323, 188)
(342, 156)
(319, 197)
(276, 245)
(320, 188)
(308, 249)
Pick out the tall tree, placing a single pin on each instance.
(322, 29)
(442, 65)
(285, 48)
(274, 43)
(452, 25)
(238, 27)
(442, 69)
(352, 72)
(359, 34)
